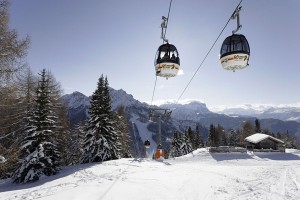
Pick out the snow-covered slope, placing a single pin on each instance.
(199, 175)
(141, 130)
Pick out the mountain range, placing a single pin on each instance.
(288, 112)
(193, 113)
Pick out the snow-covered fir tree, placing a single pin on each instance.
(198, 138)
(2, 159)
(211, 140)
(181, 145)
(39, 148)
(63, 135)
(186, 146)
(123, 129)
(108, 128)
(76, 142)
(232, 138)
(101, 139)
(175, 145)
(190, 134)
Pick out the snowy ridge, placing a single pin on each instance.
(175, 101)
(187, 109)
(198, 175)
(258, 107)
(184, 113)
(286, 112)
(121, 98)
(76, 100)
(118, 97)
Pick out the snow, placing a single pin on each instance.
(2, 159)
(257, 137)
(76, 100)
(199, 175)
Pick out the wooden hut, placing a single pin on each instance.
(263, 142)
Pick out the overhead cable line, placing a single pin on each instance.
(168, 18)
(207, 54)
(153, 91)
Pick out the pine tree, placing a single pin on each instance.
(63, 135)
(197, 141)
(191, 136)
(124, 138)
(40, 155)
(211, 136)
(12, 114)
(248, 129)
(186, 146)
(76, 142)
(220, 138)
(100, 142)
(232, 138)
(257, 126)
(175, 145)
(12, 50)
(12, 53)
(108, 128)
(223, 139)
(89, 147)
(181, 145)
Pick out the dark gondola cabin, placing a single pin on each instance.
(147, 144)
(167, 61)
(235, 52)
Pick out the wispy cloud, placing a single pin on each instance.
(175, 101)
(249, 106)
(160, 87)
(180, 72)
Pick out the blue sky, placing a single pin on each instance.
(80, 40)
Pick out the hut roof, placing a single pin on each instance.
(258, 137)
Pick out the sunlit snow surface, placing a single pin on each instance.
(199, 175)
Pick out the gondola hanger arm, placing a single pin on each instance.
(236, 15)
(163, 28)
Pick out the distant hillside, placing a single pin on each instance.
(262, 111)
(190, 114)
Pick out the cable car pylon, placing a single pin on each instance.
(155, 113)
(167, 64)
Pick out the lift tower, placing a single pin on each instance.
(159, 114)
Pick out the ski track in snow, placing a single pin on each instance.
(199, 175)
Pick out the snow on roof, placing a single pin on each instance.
(257, 137)
(2, 159)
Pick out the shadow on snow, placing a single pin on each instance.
(260, 155)
(7, 184)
